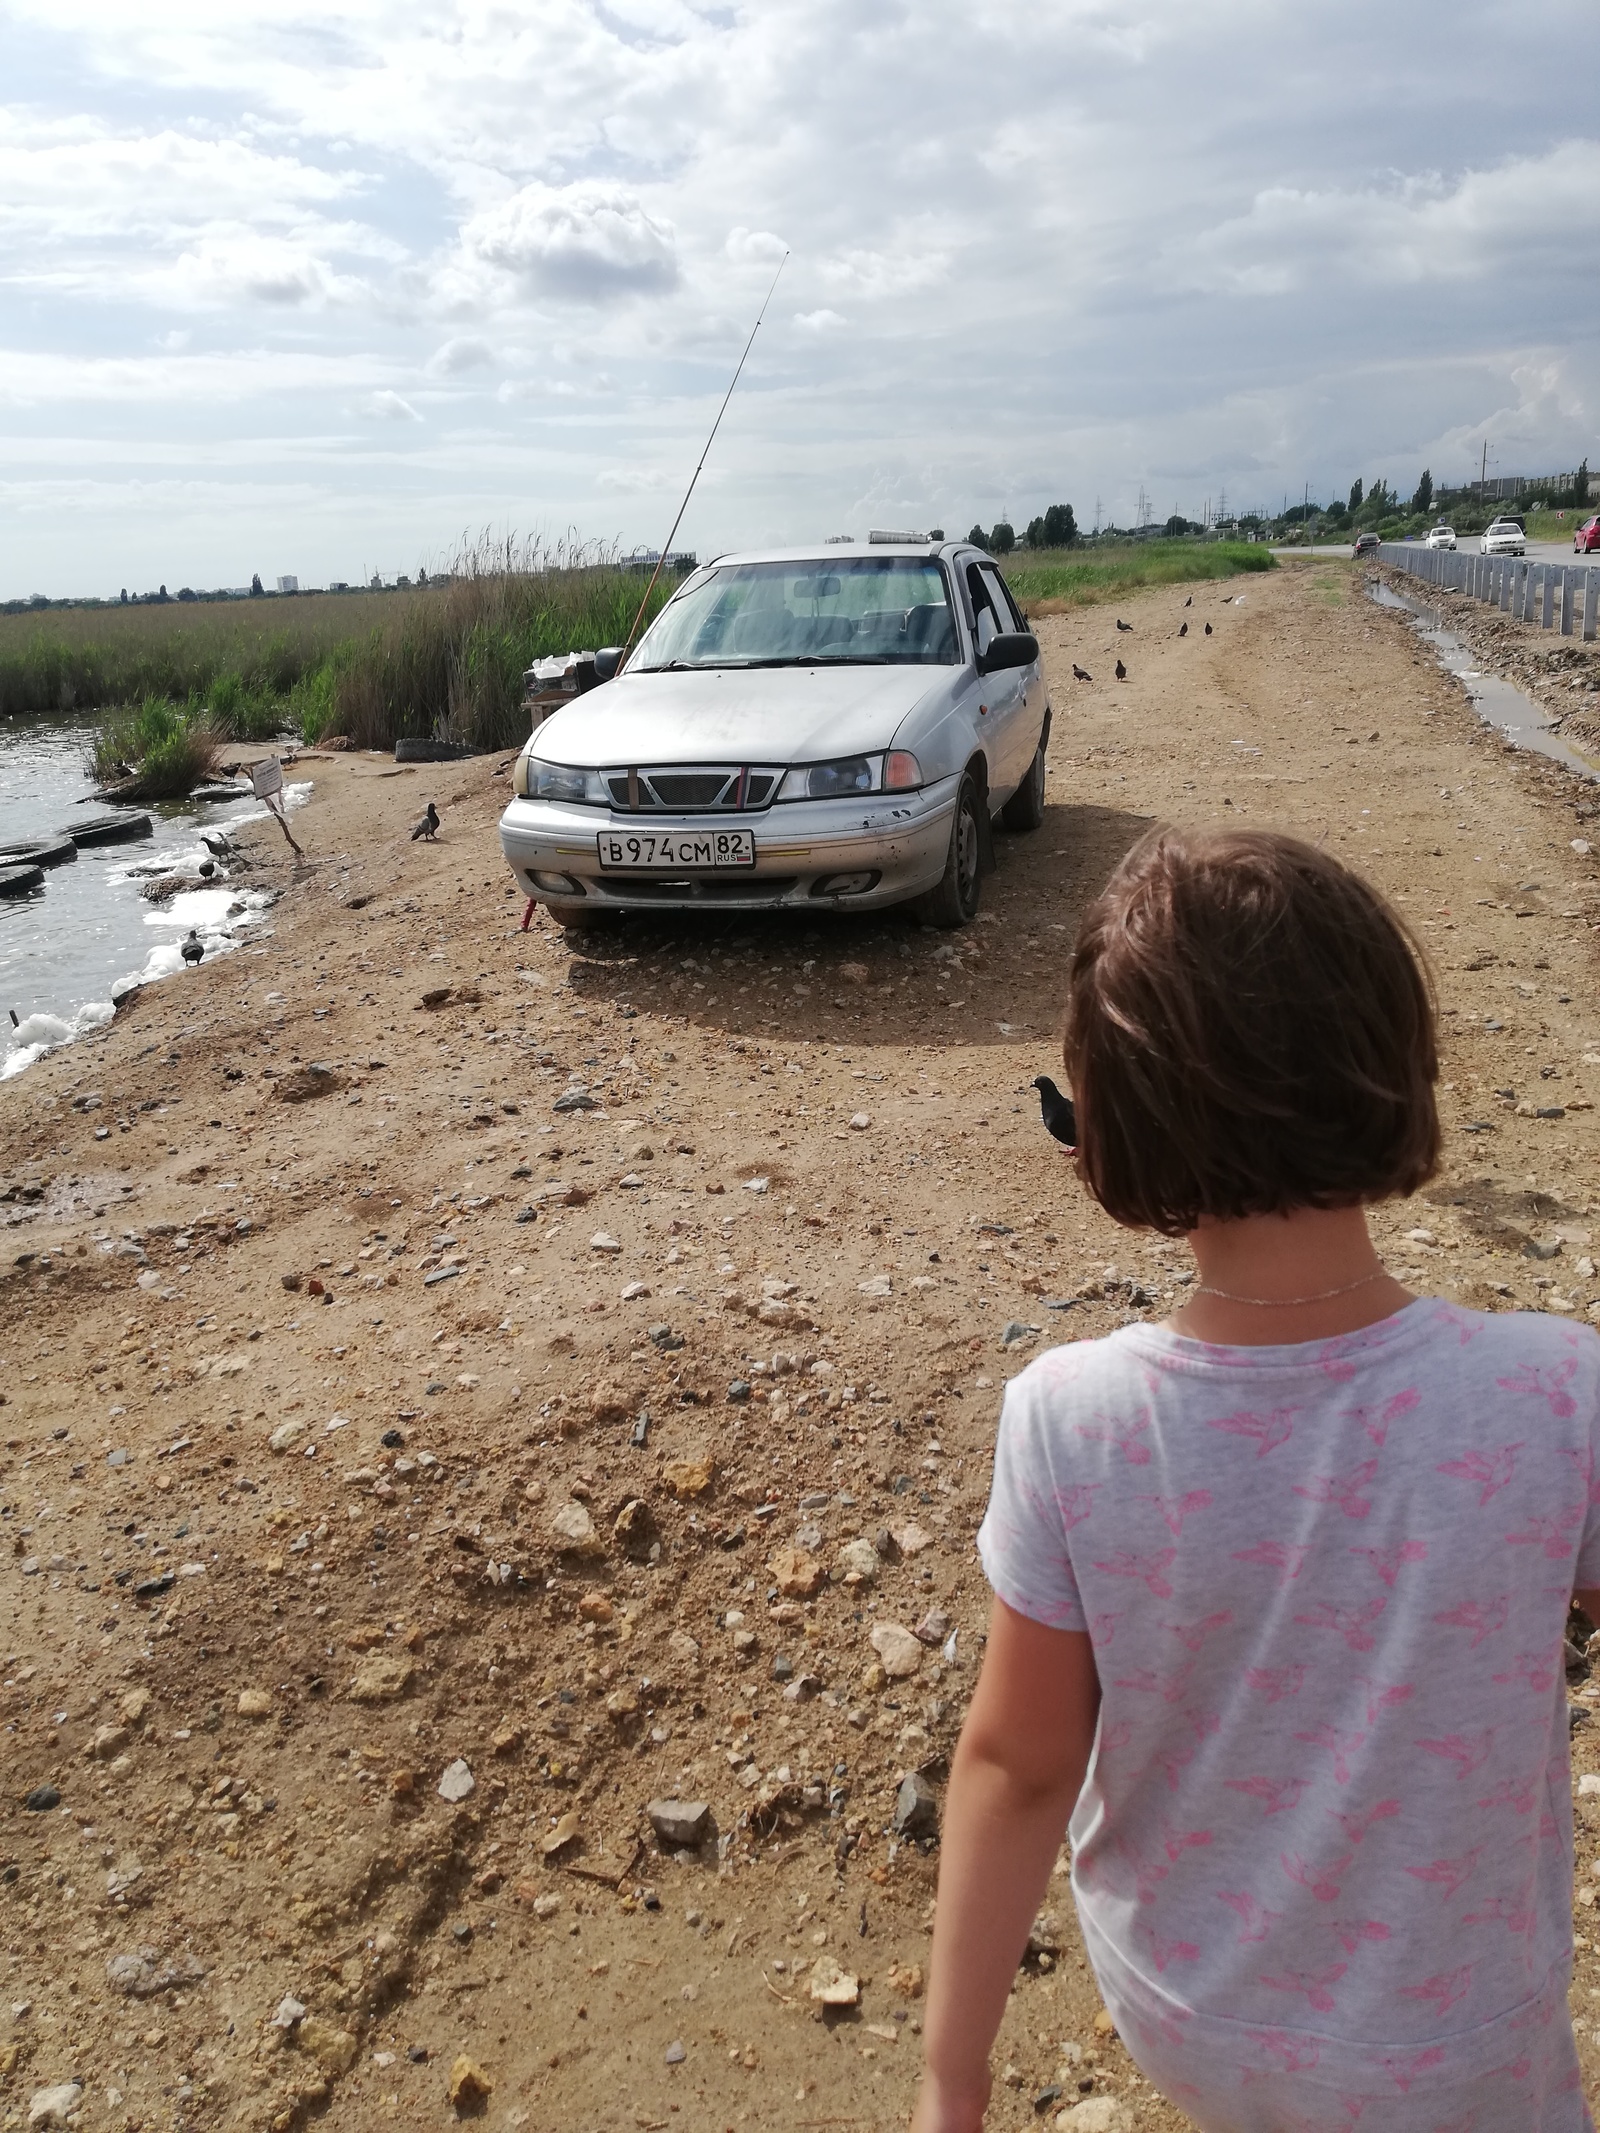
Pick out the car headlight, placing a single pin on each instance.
(561, 781)
(851, 776)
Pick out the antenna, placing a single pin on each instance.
(695, 476)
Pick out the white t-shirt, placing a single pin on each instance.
(1327, 1828)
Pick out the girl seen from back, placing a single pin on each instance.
(1281, 1584)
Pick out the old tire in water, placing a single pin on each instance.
(430, 751)
(39, 852)
(954, 902)
(109, 829)
(20, 881)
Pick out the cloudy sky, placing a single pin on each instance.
(320, 288)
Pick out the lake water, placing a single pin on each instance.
(63, 948)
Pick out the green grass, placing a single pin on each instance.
(441, 660)
(1051, 580)
(157, 751)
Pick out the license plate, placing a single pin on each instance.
(657, 851)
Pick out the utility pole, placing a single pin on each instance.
(1483, 470)
(1097, 514)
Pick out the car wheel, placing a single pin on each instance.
(1025, 809)
(954, 902)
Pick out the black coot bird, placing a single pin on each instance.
(1183, 629)
(1122, 672)
(1208, 629)
(428, 826)
(1060, 1120)
(192, 949)
(1190, 601)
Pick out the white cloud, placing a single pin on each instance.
(591, 242)
(754, 247)
(822, 321)
(387, 406)
(465, 351)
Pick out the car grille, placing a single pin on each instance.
(733, 788)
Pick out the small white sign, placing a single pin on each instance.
(267, 778)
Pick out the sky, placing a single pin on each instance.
(334, 290)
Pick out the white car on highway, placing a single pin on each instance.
(829, 728)
(1441, 537)
(1504, 537)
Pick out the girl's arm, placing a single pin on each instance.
(1018, 1771)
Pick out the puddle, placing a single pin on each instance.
(1497, 702)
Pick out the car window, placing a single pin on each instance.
(1004, 606)
(839, 610)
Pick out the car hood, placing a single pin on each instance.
(742, 715)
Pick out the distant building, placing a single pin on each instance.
(288, 585)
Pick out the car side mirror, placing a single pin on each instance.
(607, 662)
(1014, 648)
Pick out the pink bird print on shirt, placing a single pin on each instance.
(1444, 1990)
(1269, 1431)
(1351, 1932)
(1341, 1746)
(1583, 1464)
(1175, 1509)
(1483, 1618)
(1537, 1669)
(1449, 1876)
(1468, 1753)
(1517, 1913)
(1312, 1983)
(1318, 1879)
(1178, 1841)
(1388, 1562)
(1169, 1687)
(1125, 1435)
(1147, 1569)
(1376, 1421)
(1286, 1557)
(1296, 2054)
(1277, 1794)
(1519, 1794)
(1164, 1951)
(1491, 1470)
(1193, 1634)
(1354, 1624)
(1404, 2069)
(1255, 1921)
(1549, 1385)
(1075, 1501)
(1342, 1489)
(1276, 1682)
(1550, 1533)
(1383, 1696)
(1115, 1736)
(1356, 1827)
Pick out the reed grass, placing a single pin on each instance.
(437, 661)
(1049, 581)
(157, 750)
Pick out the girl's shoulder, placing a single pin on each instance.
(1432, 1332)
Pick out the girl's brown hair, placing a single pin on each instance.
(1250, 1029)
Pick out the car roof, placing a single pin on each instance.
(834, 551)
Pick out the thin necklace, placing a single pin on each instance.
(1287, 1303)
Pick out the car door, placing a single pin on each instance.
(1004, 694)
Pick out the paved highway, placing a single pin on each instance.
(1538, 551)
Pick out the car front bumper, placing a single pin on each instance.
(899, 840)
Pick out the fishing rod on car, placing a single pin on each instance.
(678, 521)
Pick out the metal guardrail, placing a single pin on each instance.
(1562, 596)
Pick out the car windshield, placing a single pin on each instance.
(845, 611)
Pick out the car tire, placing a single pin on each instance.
(1025, 809)
(954, 901)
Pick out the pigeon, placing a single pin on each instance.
(192, 949)
(1080, 673)
(428, 826)
(1121, 625)
(207, 868)
(1208, 629)
(1183, 629)
(1060, 1120)
(1122, 672)
(1190, 601)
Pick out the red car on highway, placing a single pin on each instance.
(1586, 538)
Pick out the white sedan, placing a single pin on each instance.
(1441, 537)
(824, 728)
(1504, 537)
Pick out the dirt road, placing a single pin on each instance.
(426, 1346)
